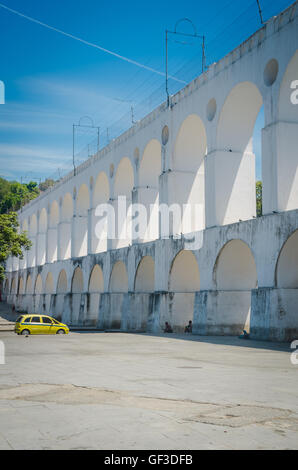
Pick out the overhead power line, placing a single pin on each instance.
(87, 43)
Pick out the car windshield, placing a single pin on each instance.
(19, 319)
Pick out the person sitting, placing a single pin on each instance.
(168, 328)
(188, 328)
(244, 335)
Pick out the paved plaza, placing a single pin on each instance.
(96, 390)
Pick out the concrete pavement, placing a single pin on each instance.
(124, 391)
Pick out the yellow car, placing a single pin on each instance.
(39, 325)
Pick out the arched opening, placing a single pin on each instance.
(38, 285)
(81, 222)
(184, 281)
(285, 318)
(287, 139)
(96, 287)
(77, 288)
(287, 265)
(38, 291)
(62, 282)
(235, 275)
(119, 279)
(49, 287)
(62, 290)
(101, 195)
(123, 186)
(31, 256)
(64, 251)
(41, 237)
(49, 290)
(144, 280)
(187, 181)
(21, 286)
(29, 289)
(118, 287)
(53, 233)
(233, 164)
(147, 193)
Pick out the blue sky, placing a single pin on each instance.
(52, 81)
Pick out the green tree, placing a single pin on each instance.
(12, 243)
(14, 195)
(259, 190)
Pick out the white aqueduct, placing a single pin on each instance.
(199, 149)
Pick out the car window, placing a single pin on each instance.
(46, 320)
(19, 319)
(27, 320)
(35, 320)
(56, 322)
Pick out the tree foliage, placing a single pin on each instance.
(259, 191)
(14, 195)
(12, 243)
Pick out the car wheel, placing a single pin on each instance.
(25, 332)
(60, 332)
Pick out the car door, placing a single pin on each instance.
(46, 325)
(35, 325)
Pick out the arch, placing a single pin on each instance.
(65, 228)
(233, 164)
(13, 288)
(96, 282)
(235, 275)
(33, 225)
(77, 284)
(144, 278)
(38, 289)
(187, 182)
(29, 285)
(101, 193)
(62, 282)
(184, 273)
(238, 117)
(119, 278)
(124, 179)
(150, 166)
(191, 145)
(54, 215)
(235, 267)
(49, 285)
(286, 276)
(21, 286)
(52, 241)
(67, 208)
(184, 281)
(41, 237)
(123, 186)
(83, 201)
(80, 241)
(43, 221)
